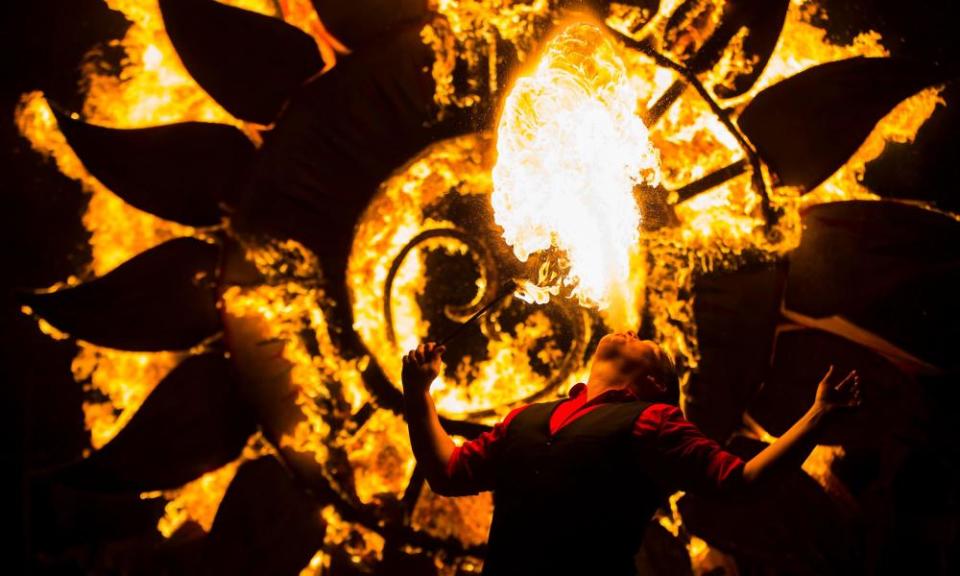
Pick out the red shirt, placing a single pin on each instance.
(680, 456)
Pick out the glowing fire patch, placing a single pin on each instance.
(571, 148)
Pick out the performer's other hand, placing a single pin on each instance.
(844, 395)
(421, 367)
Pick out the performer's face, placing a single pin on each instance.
(632, 357)
(629, 347)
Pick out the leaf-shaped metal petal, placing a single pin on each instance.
(632, 15)
(179, 172)
(362, 21)
(925, 168)
(192, 422)
(265, 524)
(887, 267)
(248, 62)
(736, 316)
(809, 125)
(763, 20)
(699, 31)
(336, 141)
(162, 299)
(690, 26)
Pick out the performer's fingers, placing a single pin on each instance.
(845, 384)
(441, 349)
(829, 373)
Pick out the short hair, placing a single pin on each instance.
(666, 374)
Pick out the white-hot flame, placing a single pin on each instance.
(571, 149)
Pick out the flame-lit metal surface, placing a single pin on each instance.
(425, 255)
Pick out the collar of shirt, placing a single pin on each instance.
(579, 392)
(577, 405)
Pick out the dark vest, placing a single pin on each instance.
(573, 503)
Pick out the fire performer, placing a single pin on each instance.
(576, 480)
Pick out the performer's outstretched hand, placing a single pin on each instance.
(843, 395)
(790, 450)
(421, 367)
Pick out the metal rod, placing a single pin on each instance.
(506, 289)
(665, 101)
(712, 180)
(769, 212)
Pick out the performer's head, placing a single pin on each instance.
(622, 358)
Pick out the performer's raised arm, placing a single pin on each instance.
(432, 445)
(791, 449)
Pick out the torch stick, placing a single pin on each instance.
(506, 289)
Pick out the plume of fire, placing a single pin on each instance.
(571, 149)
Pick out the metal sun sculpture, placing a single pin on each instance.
(279, 210)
